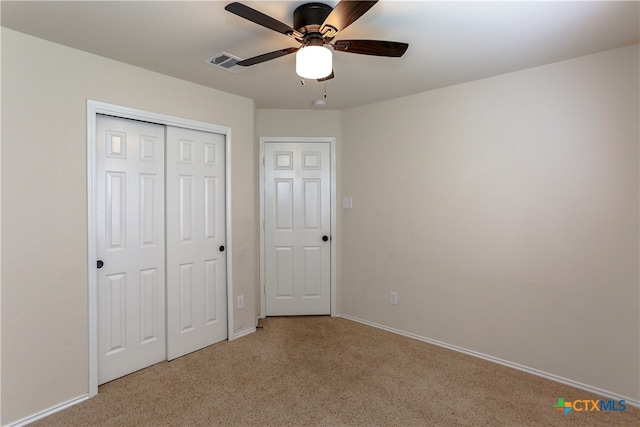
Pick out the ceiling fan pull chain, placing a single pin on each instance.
(325, 89)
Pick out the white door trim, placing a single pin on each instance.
(334, 237)
(94, 108)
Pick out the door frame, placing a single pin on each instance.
(263, 265)
(93, 109)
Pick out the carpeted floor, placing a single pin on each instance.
(299, 371)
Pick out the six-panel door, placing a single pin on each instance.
(130, 240)
(196, 252)
(297, 228)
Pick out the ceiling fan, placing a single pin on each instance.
(315, 26)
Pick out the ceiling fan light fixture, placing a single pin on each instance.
(314, 62)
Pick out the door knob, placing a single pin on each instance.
(221, 248)
(325, 238)
(100, 263)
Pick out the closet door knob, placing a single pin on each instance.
(221, 248)
(325, 238)
(100, 264)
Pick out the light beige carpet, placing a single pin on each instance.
(299, 371)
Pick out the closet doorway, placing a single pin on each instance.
(159, 234)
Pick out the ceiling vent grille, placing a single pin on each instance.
(226, 61)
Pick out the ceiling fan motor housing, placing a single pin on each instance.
(308, 17)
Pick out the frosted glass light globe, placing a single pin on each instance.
(314, 62)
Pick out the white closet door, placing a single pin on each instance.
(196, 253)
(130, 243)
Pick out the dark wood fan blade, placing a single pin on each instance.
(344, 14)
(267, 57)
(371, 47)
(329, 77)
(261, 19)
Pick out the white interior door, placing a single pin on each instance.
(130, 243)
(297, 212)
(196, 253)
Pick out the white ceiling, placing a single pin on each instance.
(449, 42)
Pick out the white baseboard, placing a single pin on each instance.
(47, 412)
(243, 333)
(552, 377)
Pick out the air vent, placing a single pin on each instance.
(226, 61)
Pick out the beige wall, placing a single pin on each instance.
(44, 207)
(305, 123)
(298, 123)
(505, 214)
(0, 233)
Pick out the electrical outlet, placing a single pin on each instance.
(394, 297)
(240, 302)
